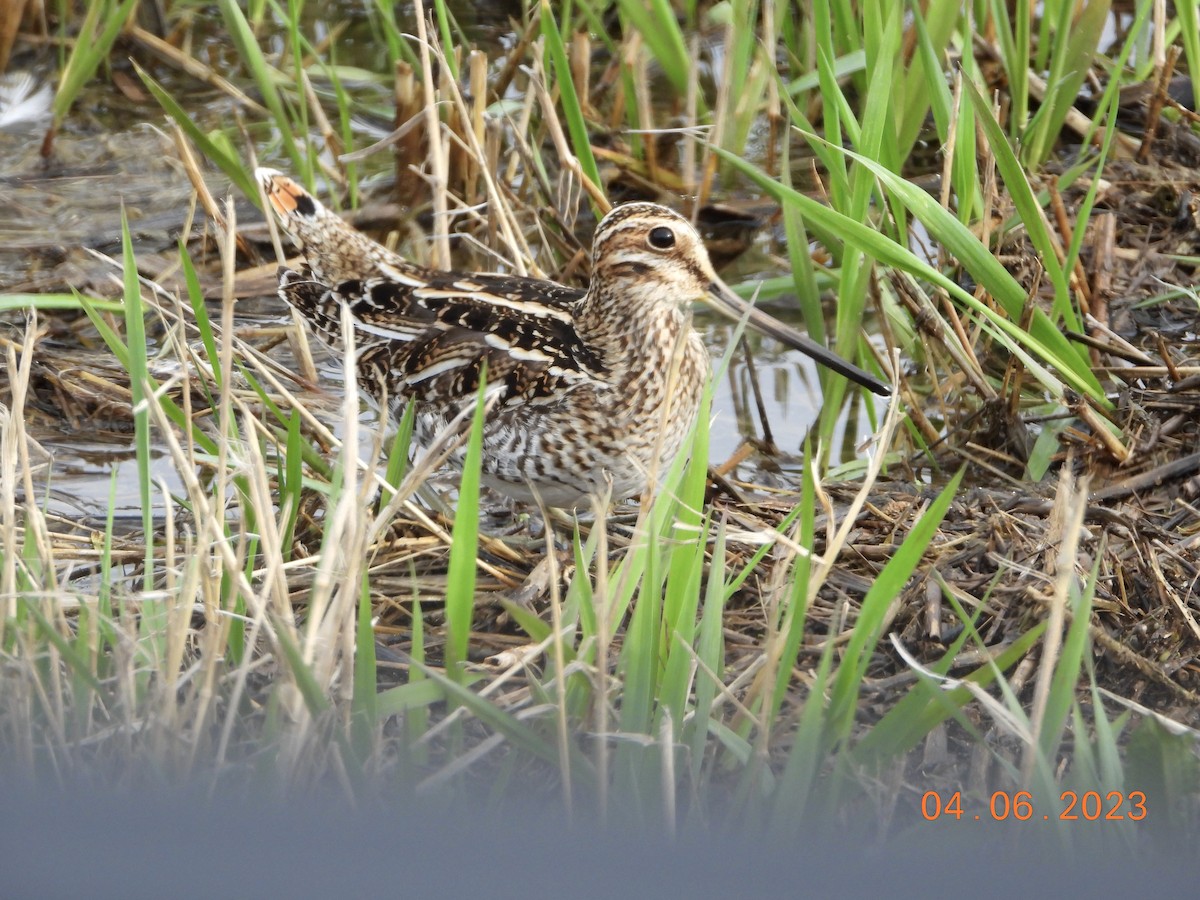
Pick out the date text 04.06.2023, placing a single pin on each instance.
(1090, 806)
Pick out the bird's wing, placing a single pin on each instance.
(434, 337)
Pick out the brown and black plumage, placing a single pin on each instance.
(585, 387)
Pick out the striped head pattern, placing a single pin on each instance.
(651, 254)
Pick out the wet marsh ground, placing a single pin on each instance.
(217, 568)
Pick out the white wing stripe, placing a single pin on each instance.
(486, 298)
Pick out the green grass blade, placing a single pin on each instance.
(409, 699)
(443, 16)
(79, 665)
(1043, 339)
(808, 753)
(56, 302)
(291, 482)
(1017, 184)
(214, 150)
(1075, 47)
(847, 683)
(397, 461)
(1069, 665)
(196, 300)
(572, 110)
(140, 388)
(310, 690)
(925, 80)
(252, 57)
(964, 174)
(364, 710)
(1188, 16)
(710, 651)
(516, 732)
(91, 49)
(794, 615)
(464, 545)
(907, 723)
(655, 22)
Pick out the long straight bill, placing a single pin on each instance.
(726, 302)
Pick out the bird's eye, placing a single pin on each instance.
(662, 238)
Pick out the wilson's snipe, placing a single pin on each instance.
(588, 386)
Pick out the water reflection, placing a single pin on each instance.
(789, 390)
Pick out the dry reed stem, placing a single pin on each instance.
(437, 155)
(193, 67)
(1070, 505)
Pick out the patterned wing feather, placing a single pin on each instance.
(433, 340)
